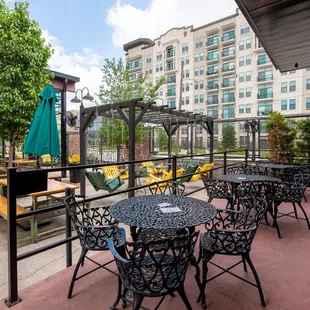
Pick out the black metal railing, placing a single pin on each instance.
(12, 218)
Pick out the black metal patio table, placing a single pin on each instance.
(162, 212)
(276, 166)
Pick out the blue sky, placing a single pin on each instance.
(85, 32)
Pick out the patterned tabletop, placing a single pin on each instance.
(276, 166)
(239, 178)
(146, 211)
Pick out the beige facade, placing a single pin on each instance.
(226, 75)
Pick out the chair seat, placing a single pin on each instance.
(160, 280)
(222, 243)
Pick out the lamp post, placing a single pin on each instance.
(82, 132)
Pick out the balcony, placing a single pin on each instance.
(171, 93)
(212, 42)
(171, 80)
(263, 113)
(228, 37)
(170, 67)
(212, 59)
(170, 54)
(228, 100)
(264, 79)
(229, 84)
(212, 72)
(264, 96)
(264, 62)
(228, 69)
(228, 115)
(212, 86)
(228, 54)
(212, 101)
(214, 115)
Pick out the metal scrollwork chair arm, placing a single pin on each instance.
(115, 253)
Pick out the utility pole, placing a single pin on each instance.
(180, 104)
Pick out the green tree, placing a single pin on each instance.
(229, 140)
(119, 83)
(162, 139)
(303, 138)
(280, 139)
(23, 70)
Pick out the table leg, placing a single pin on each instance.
(133, 232)
(34, 222)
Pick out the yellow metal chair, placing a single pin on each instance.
(75, 159)
(149, 167)
(203, 169)
(111, 172)
(46, 160)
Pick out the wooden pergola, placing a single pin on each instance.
(134, 111)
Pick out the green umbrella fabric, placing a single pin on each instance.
(43, 135)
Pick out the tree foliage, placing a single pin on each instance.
(280, 139)
(118, 85)
(162, 138)
(24, 56)
(303, 137)
(229, 140)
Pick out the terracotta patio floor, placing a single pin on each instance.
(283, 266)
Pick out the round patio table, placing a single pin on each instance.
(239, 178)
(276, 166)
(162, 212)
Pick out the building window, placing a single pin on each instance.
(228, 50)
(248, 75)
(213, 40)
(196, 57)
(187, 73)
(308, 84)
(241, 92)
(248, 59)
(228, 81)
(212, 99)
(213, 55)
(212, 112)
(263, 59)
(201, 84)
(241, 77)
(212, 84)
(201, 70)
(201, 98)
(228, 97)
(171, 79)
(264, 108)
(135, 64)
(248, 43)
(213, 69)
(241, 108)
(201, 56)
(186, 100)
(148, 59)
(199, 44)
(228, 66)
(182, 102)
(292, 85)
(265, 75)
(283, 87)
(171, 103)
(159, 56)
(196, 99)
(292, 104)
(283, 105)
(265, 92)
(248, 92)
(228, 34)
(248, 108)
(196, 72)
(196, 85)
(184, 48)
(228, 112)
(171, 91)
(241, 61)
(241, 45)
(308, 103)
(187, 87)
(244, 29)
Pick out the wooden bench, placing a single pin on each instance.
(4, 209)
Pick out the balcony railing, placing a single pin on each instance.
(264, 78)
(228, 53)
(228, 100)
(170, 67)
(226, 69)
(171, 92)
(212, 72)
(228, 115)
(209, 58)
(228, 84)
(228, 36)
(211, 42)
(263, 113)
(214, 115)
(264, 95)
(170, 54)
(263, 61)
(212, 101)
(171, 80)
(212, 86)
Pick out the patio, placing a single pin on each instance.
(282, 264)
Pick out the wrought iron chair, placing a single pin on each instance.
(217, 189)
(186, 177)
(231, 233)
(94, 226)
(288, 192)
(258, 170)
(154, 269)
(240, 169)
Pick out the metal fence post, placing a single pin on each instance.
(225, 162)
(13, 297)
(246, 156)
(174, 174)
(68, 233)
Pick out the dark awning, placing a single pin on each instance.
(283, 28)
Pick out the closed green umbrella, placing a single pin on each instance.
(43, 136)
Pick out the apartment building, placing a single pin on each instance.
(226, 75)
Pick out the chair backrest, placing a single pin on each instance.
(157, 266)
(94, 226)
(188, 170)
(207, 167)
(147, 163)
(110, 171)
(96, 179)
(216, 188)
(191, 162)
(236, 170)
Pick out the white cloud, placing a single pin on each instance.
(86, 66)
(130, 23)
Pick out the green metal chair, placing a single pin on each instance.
(98, 181)
(188, 175)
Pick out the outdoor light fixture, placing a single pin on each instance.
(86, 97)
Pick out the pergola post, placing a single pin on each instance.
(82, 149)
(192, 139)
(132, 149)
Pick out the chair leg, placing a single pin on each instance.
(119, 294)
(182, 293)
(305, 198)
(82, 264)
(295, 210)
(244, 263)
(202, 295)
(83, 253)
(210, 200)
(195, 263)
(261, 294)
(275, 222)
(305, 214)
(137, 301)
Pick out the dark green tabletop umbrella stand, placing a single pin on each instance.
(43, 135)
